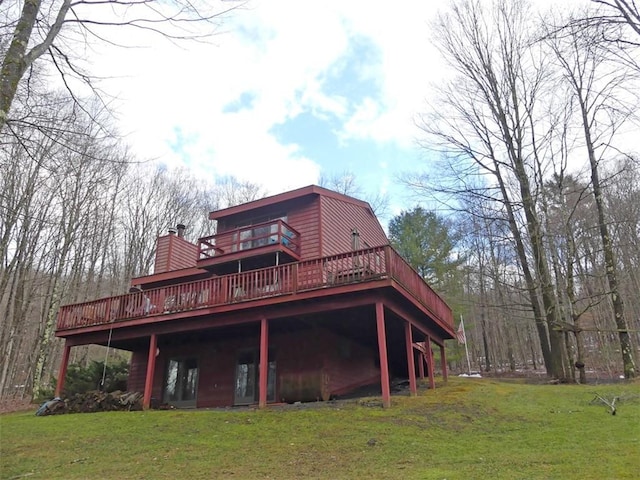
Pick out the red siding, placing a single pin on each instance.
(324, 220)
(305, 218)
(174, 253)
(303, 215)
(137, 371)
(311, 365)
(348, 365)
(339, 218)
(299, 366)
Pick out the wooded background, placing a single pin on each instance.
(535, 240)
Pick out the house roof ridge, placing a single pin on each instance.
(285, 196)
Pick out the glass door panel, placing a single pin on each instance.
(181, 384)
(246, 383)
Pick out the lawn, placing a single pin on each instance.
(467, 429)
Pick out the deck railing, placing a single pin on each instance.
(250, 237)
(287, 279)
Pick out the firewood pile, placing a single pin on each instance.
(93, 401)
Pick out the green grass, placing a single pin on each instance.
(468, 429)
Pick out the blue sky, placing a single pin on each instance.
(318, 132)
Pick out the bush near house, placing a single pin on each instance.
(82, 379)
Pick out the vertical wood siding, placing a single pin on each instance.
(311, 364)
(137, 371)
(303, 215)
(339, 218)
(348, 365)
(305, 218)
(174, 253)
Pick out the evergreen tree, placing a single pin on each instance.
(428, 241)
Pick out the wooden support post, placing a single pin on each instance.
(264, 362)
(151, 367)
(432, 380)
(62, 373)
(384, 363)
(421, 365)
(411, 366)
(443, 363)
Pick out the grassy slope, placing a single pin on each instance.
(468, 429)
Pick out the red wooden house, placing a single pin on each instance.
(297, 297)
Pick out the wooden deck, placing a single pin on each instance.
(288, 279)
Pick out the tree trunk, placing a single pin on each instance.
(626, 349)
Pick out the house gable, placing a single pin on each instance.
(324, 219)
(340, 218)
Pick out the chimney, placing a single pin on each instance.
(174, 252)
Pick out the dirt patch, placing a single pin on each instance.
(16, 405)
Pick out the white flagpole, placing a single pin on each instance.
(466, 348)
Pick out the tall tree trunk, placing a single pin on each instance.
(626, 348)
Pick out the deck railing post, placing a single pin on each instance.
(294, 274)
(387, 261)
(224, 290)
(61, 318)
(160, 299)
(107, 310)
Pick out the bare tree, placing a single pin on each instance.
(346, 183)
(487, 127)
(230, 191)
(49, 29)
(619, 12)
(604, 101)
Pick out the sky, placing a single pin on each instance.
(286, 93)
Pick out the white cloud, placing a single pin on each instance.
(279, 51)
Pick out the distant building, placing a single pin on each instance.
(297, 297)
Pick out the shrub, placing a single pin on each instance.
(81, 379)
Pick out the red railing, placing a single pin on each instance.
(250, 237)
(405, 275)
(287, 279)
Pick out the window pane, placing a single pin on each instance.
(181, 380)
(172, 379)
